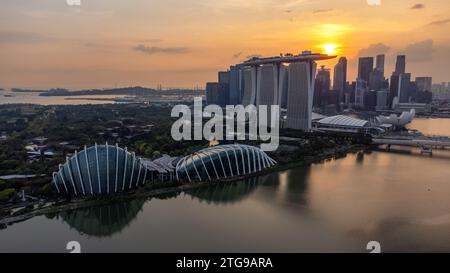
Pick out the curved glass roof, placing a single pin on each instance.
(100, 169)
(341, 120)
(222, 161)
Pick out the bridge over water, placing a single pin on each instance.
(426, 143)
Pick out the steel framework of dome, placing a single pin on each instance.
(100, 169)
(222, 161)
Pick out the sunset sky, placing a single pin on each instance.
(183, 43)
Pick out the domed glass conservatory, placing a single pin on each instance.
(100, 169)
(222, 161)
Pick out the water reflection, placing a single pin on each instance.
(290, 187)
(224, 193)
(360, 157)
(103, 221)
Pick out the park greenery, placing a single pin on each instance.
(144, 129)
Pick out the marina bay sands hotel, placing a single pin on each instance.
(285, 80)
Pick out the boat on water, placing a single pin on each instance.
(8, 95)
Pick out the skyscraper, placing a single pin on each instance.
(396, 81)
(224, 77)
(370, 99)
(404, 84)
(365, 67)
(235, 85)
(377, 81)
(393, 88)
(267, 87)
(216, 93)
(284, 88)
(249, 86)
(212, 92)
(340, 77)
(382, 100)
(300, 95)
(270, 84)
(360, 90)
(400, 65)
(424, 83)
(380, 63)
(322, 87)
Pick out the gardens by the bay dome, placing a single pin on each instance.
(100, 169)
(223, 161)
(107, 169)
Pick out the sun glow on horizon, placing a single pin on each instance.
(329, 49)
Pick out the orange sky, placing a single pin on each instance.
(183, 43)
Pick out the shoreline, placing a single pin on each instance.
(145, 193)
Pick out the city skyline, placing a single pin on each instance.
(103, 44)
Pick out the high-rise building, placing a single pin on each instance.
(321, 87)
(365, 67)
(333, 97)
(380, 63)
(270, 84)
(212, 92)
(224, 77)
(400, 65)
(404, 85)
(377, 81)
(216, 93)
(235, 85)
(249, 85)
(370, 99)
(393, 87)
(340, 78)
(382, 100)
(284, 87)
(348, 93)
(424, 83)
(300, 95)
(266, 84)
(360, 90)
(267, 87)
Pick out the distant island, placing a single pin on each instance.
(20, 90)
(131, 91)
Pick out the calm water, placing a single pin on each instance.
(398, 198)
(34, 98)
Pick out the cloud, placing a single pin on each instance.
(418, 6)
(439, 22)
(155, 49)
(374, 49)
(21, 37)
(237, 55)
(322, 11)
(419, 52)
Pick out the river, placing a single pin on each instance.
(398, 198)
(34, 98)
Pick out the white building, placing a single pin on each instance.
(300, 95)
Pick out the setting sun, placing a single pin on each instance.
(329, 49)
